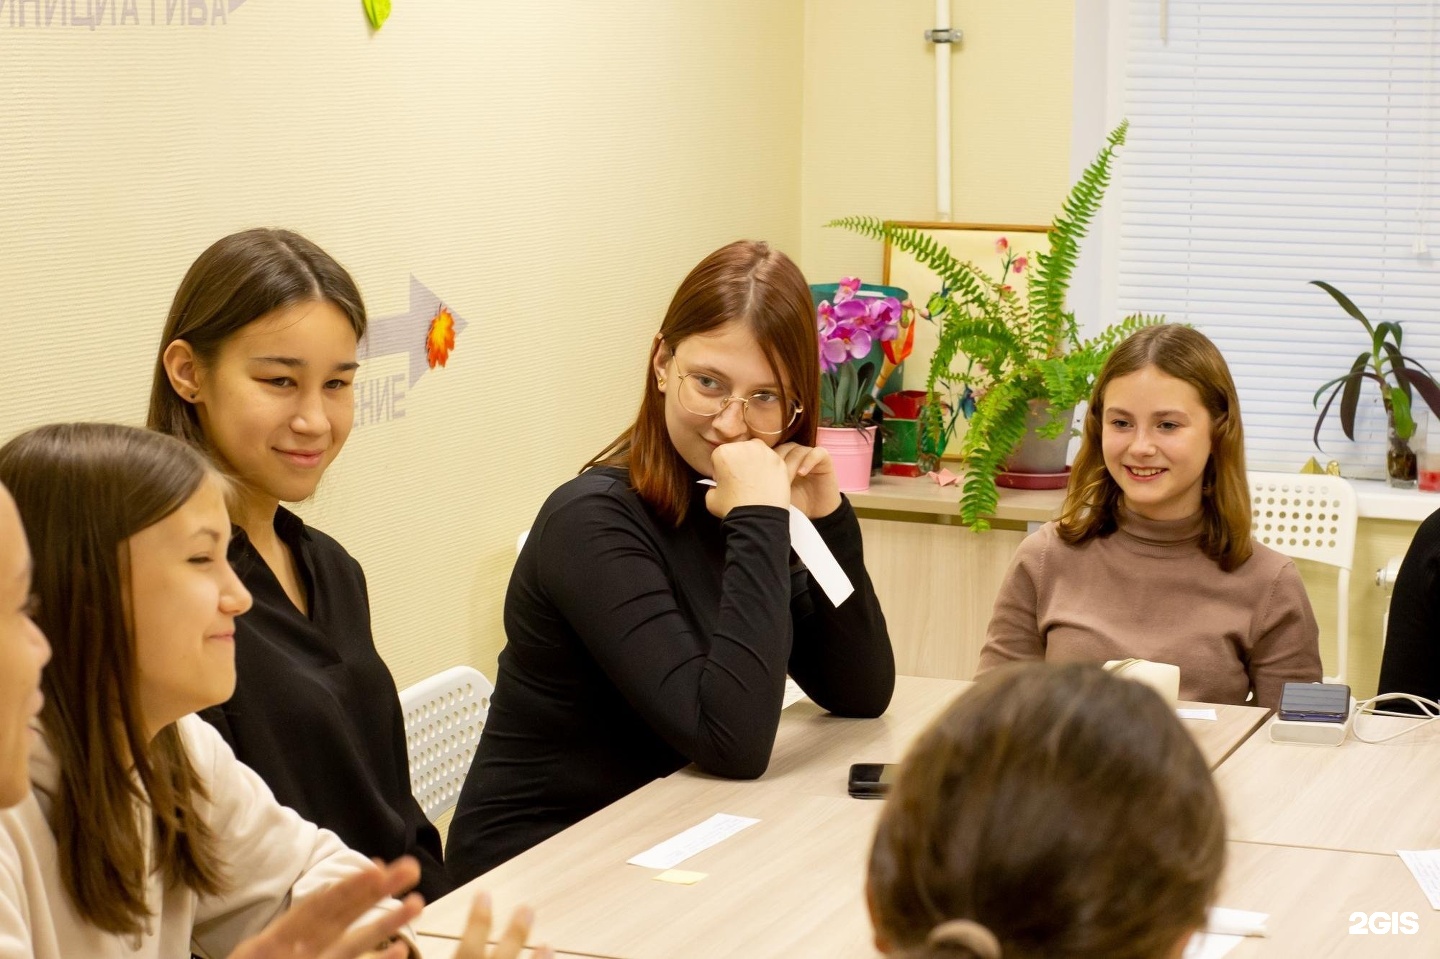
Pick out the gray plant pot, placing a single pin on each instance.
(1037, 455)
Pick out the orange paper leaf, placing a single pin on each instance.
(441, 338)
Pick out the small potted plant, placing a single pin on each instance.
(1021, 354)
(851, 325)
(1398, 377)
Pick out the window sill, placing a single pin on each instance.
(1379, 501)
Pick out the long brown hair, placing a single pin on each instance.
(236, 281)
(1093, 498)
(746, 281)
(83, 490)
(1063, 809)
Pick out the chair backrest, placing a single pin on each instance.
(1308, 516)
(444, 716)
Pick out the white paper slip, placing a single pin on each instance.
(1425, 867)
(1196, 714)
(1207, 945)
(675, 850)
(1220, 921)
(805, 540)
(793, 693)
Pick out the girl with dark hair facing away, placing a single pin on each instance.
(255, 369)
(650, 620)
(1152, 556)
(1052, 811)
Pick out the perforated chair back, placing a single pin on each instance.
(1311, 517)
(444, 716)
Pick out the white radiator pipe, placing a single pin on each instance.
(942, 113)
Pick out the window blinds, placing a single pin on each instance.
(1272, 144)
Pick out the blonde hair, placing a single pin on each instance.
(1093, 498)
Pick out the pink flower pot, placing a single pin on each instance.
(851, 451)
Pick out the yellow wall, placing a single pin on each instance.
(1377, 542)
(870, 119)
(550, 170)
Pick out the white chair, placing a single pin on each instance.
(444, 716)
(1307, 516)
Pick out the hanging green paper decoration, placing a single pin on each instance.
(377, 12)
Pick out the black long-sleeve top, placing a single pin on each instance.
(634, 647)
(315, 710)
(1411, 663)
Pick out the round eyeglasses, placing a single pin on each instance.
(765, 411)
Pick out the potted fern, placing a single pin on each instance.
(1021, 354)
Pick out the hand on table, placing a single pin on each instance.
(474, 944)
(813, 488)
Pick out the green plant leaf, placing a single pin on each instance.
(1400, 411)
(377, 12)
(1345, 304)
(845, 389)
(827, 399)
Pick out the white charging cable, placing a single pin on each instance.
(1429, 712)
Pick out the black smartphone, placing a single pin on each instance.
(871, 780)
(1315, 702)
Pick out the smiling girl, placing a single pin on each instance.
(143, 834)
(651, 620)
(256, 368)
(1152, 555)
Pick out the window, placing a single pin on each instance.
(1272, 144)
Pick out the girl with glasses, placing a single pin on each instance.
(650, 619)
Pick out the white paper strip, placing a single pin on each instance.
(1220, 921)
(1425, 867)
(1184, 713)
(675, 850)
(1207, 945)
(824, 568)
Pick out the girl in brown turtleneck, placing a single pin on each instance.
(1152, 555)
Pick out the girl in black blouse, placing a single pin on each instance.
(651, 620)
(255, 368)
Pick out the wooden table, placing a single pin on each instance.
(1311, 896)
(792, 885)
(435, 947)
(1358, 796)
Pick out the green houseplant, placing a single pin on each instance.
(1009, 348)
(1396, 375)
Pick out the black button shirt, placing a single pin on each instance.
(315, 710)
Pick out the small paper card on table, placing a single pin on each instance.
(1209, 714)
(679, 876)
(1425, 867)
(1220, 921)
(675, 850)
